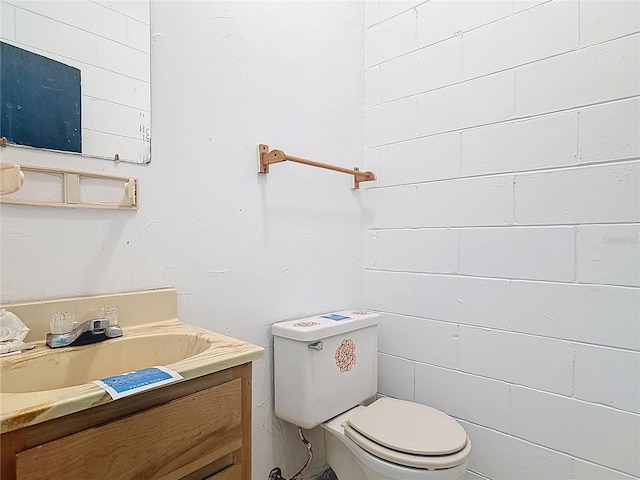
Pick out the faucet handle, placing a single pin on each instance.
(110, 313)
(61, 322)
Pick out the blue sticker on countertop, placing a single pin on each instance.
(335, 316)
(119, 386)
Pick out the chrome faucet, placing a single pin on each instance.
(91, 331)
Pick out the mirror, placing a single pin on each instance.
(108, 42)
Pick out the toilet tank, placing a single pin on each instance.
(324, 365)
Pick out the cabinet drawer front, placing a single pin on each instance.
(165, 442)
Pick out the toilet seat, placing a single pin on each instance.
(408, 433)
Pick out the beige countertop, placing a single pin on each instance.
(216, 352)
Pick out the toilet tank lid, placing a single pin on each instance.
(311, 329)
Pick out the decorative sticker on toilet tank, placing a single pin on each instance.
(306, 324)
(346, 355)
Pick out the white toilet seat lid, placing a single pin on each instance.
(409, 428)
(425, 462)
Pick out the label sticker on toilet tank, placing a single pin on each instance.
(335, 316)
(126, 384)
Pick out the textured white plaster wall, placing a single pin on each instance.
(503, 247)
(243, 250)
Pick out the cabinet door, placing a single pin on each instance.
(165, 442)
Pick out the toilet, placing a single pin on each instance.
(325, 368)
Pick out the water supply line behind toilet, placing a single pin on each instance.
(276, 473)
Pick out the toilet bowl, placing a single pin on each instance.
(396, 440)
(325, 367)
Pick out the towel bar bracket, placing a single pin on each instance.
(267, 158)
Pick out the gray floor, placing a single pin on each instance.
(327, 475)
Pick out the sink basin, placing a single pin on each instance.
(49, 369)
(45, 384)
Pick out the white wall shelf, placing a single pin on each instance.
(56, 187)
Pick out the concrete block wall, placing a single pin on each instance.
(503, 238)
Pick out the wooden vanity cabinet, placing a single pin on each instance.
(192, 430)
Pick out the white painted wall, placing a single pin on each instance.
(503, 246)
(243, 250)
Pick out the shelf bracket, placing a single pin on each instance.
(267, 158)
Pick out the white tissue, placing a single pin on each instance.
(12, 332)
